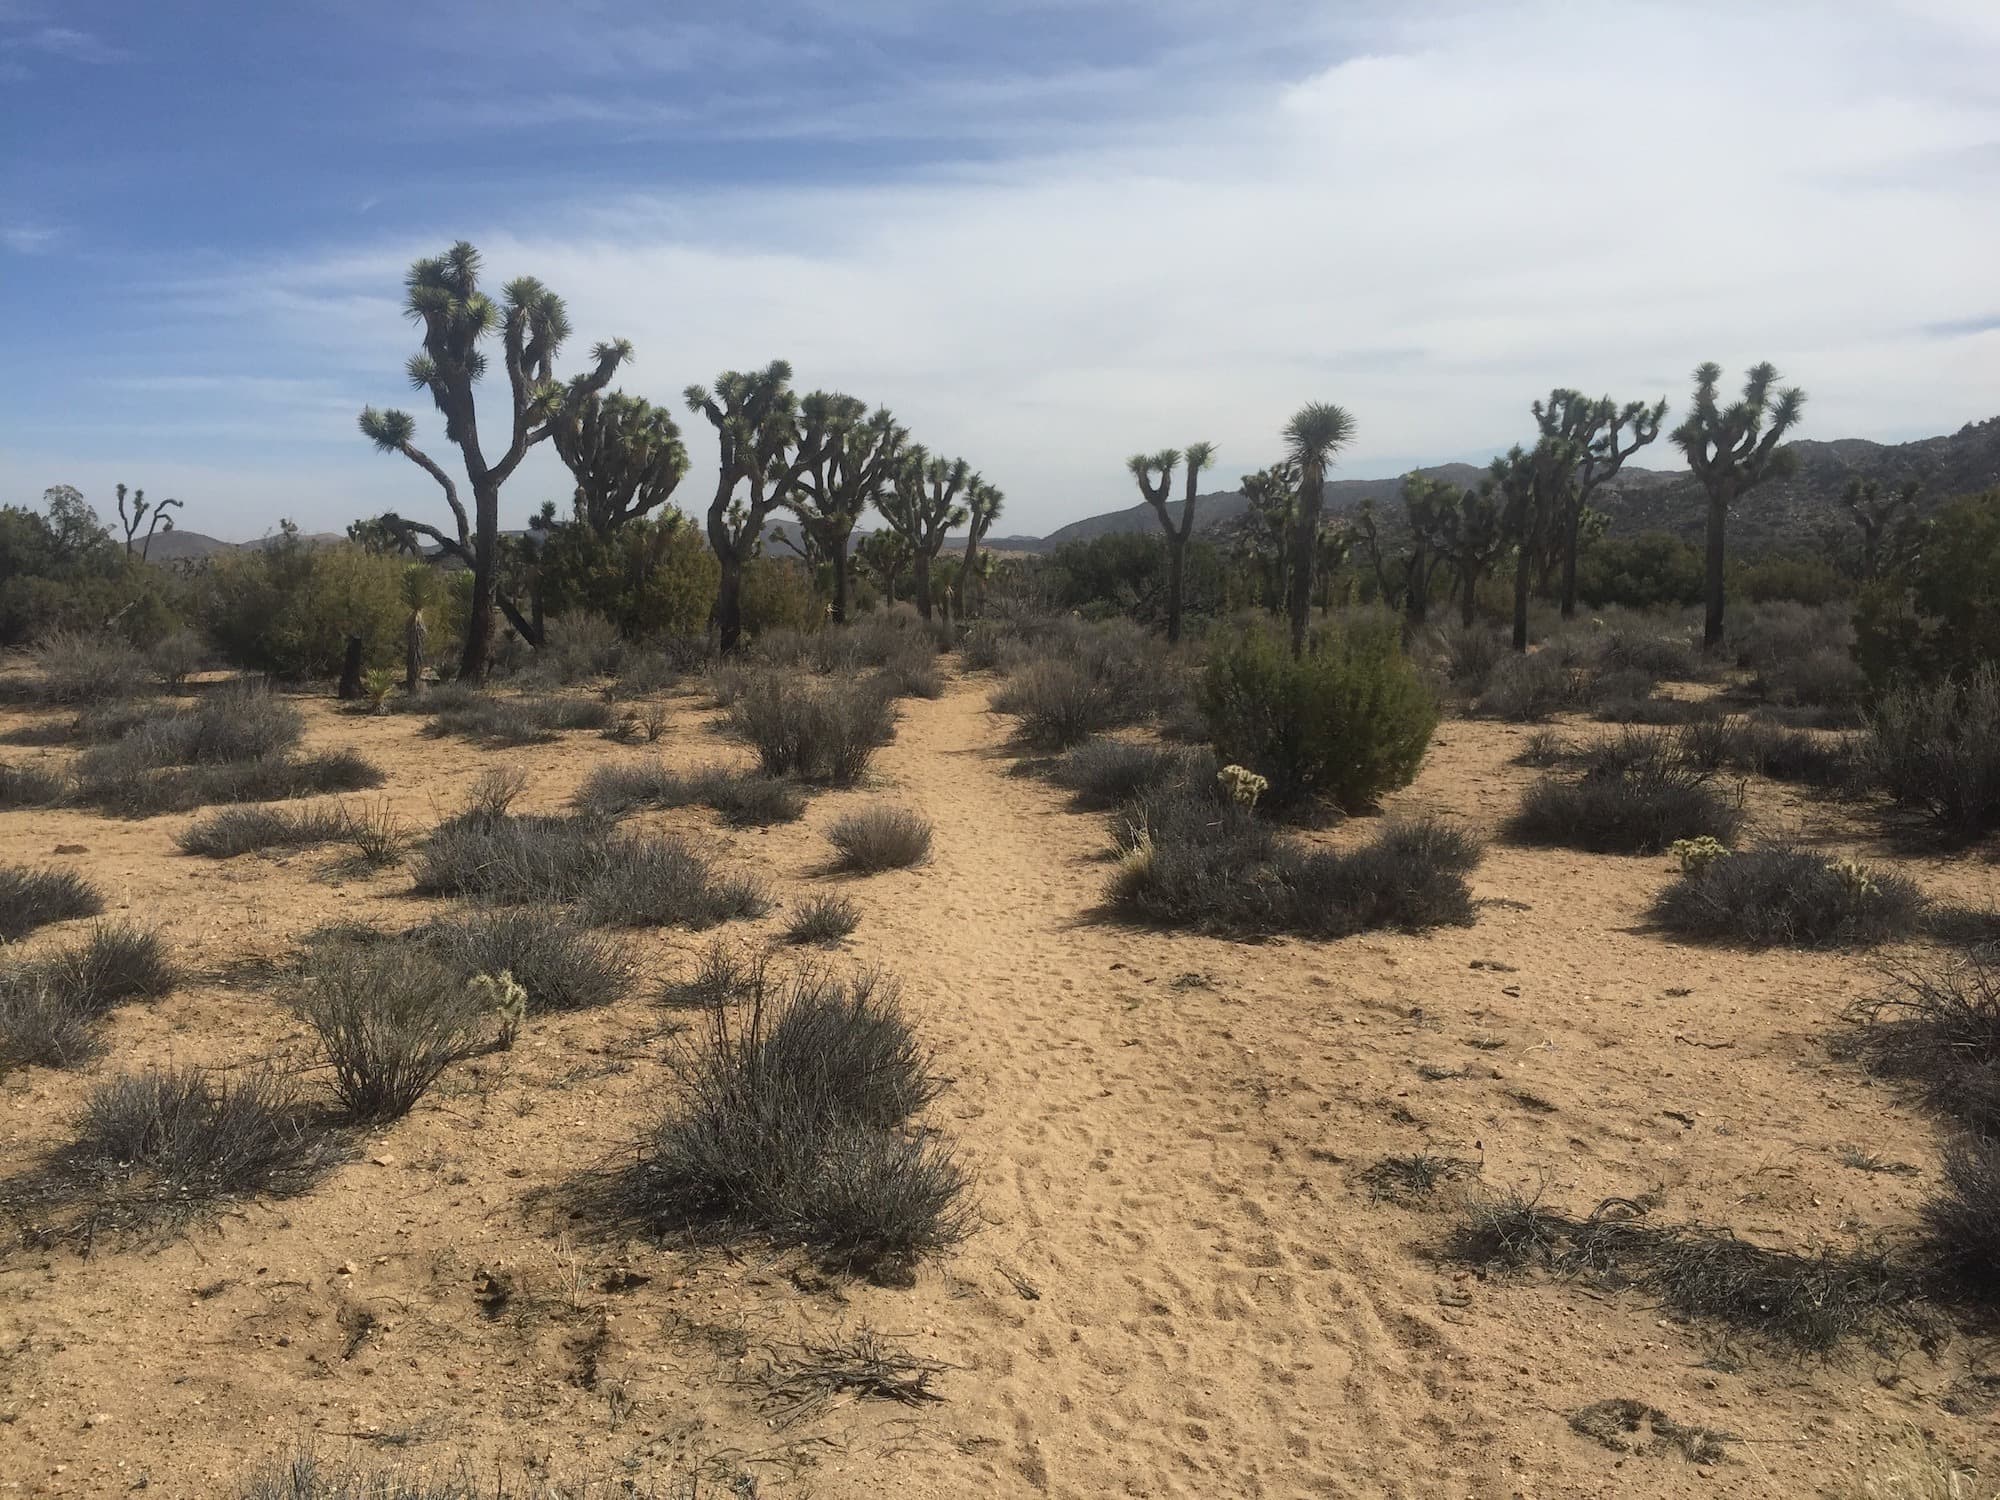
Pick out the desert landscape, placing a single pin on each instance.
(1187, 1270)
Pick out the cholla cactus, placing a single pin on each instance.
(1696, 855)
(503, 997)
(1243, 785)
(1856, 883)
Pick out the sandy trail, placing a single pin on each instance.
(1167, 1133)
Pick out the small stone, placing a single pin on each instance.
(97, 1419)
(346, 1268)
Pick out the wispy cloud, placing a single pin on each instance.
(64, 42)
(29, 238)
(1958, 328)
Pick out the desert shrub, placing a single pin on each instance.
(76, 666)
(1828, 678)
(561, 964)
(1105, 773)
(1544, 748)
(32, 786)
(1632, 646)
(183, 789)
(646, 722)
(815, 731)
(1648, 571)
(788, 1128)
(1785, 895)
(1938, 1027)
(1832, 762)
(288, 606)
(644, 673)
(1636, 795)
(36, 898)
(778, 594)
(1936, 747)
(1058, 704)
(48, 1003)
(725, 682)
(1529, 689)
(576, 647)
(157, 1148)
(822, 919)
(1344, 723)
(665, 883)
(176, 657)
(744, 798)
(1808, 1303)
(244, 830)
(1188, 860)
(389, 1020)
(880, 837)
(230, 725)
(1962, 1218)
(517, 721)
(651, 577)
(504, 857)
(912, 674)
(1468, 655)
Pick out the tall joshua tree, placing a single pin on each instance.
(885, 555)
(927, 501)
(846, 473)
(625, 453)
(982, 508)
(1198, 457)
(1469, 535)
(1733, 449)
(1598, 436)
(1313, 439)
(134, 518)
(1265, 539)
(763, 449)
(443, 298)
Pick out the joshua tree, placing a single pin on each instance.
(1733, 449)
(926, 503)
(982, 508)
(443, 297)
(1198, 457)
(886, 555)
(1314, 436)
(626, 454)
(1882, 519)
(134, 518)
(756, 418)
(1426, 501)
(1594, 439)
(1266, 535)
(1469, 535)
(846, 474)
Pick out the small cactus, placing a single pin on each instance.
(502, 996)
(1243, 785)
(1856, 880)
(1696, 855)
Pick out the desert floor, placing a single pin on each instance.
(1179, 1286)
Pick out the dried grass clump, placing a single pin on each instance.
(36, 898)
(1785, 895)
(872, 839)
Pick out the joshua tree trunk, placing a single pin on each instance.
(923, 570)
(1176, 583)
(1711, 626)
(729, 600)
(350, 671)
(1303, 536)
(840, 579)
(1468, 599)
(1572, 537)
(485, 567)
(1524, 563)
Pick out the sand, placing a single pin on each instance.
(1178, 1286)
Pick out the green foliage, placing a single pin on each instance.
(1647, 571)
(62, 571)
(1126, 573)
(1936, 747)
(1802, 580)
(650, 577)
(1344, 722)
(287, 608)
(1941, 614)
(778, 594)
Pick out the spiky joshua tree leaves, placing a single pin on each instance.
(1143, 466)
(443, 298)
(928, 499)
(625, 453)
(845, 474)
(1313, 439)
(1732, 449)
(1886, 521)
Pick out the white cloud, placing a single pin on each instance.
(1485, 202)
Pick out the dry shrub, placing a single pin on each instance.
(36, 898)
(389, 1020)
(516, 721)
(823, 920)
(75, 666)
(245, 830)
(1636, 795)
(816, 731)
(792, 1126)
(1936, 747)
(1787, 895)
(561, 963)
(1109, 773)
(746, 799)
(876, 838)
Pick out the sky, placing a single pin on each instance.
(1046, 233)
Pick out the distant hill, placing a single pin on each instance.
(192, 546)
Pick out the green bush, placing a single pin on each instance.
(1344, 723)
(778, 595)
(1643, 572)
(649, 578)
(288, 607)
(1940, 616)
(1936, 747)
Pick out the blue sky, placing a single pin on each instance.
(1046, 232)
